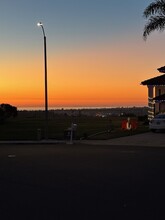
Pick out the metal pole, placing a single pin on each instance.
(46, 87)
(46, 91)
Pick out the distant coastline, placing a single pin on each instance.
(92, 111)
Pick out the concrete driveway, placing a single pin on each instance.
(146, 139)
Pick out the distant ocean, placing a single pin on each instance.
(70, 107)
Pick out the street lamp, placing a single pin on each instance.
(46, 89)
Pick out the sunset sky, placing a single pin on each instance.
(96, 54)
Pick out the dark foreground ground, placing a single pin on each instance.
(81, 182)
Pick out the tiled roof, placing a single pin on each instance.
(160, 98)
(159, 80)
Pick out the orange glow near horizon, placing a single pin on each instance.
(89, 77)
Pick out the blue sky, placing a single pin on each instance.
(71, 21)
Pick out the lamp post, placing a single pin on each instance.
(46, 87)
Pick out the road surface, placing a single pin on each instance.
(81, 182)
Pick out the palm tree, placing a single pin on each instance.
(155, 13)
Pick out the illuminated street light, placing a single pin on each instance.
(46, 89)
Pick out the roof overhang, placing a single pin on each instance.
(161, 69)
(156, 81)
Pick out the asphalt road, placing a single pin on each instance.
(81, 182)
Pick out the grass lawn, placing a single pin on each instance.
(29, 125)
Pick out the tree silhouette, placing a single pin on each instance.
(7, 111)
(155, 13)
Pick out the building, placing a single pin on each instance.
(156, 94)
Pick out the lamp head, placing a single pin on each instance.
(39, 24)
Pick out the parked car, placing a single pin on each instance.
(157, 123)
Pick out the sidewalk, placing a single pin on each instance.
(146, 139)
(33, 142)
